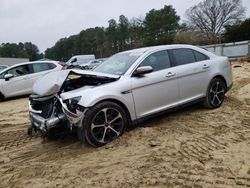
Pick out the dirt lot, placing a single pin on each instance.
(193, 147)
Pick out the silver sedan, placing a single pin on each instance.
(128, 87)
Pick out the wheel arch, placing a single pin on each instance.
(222, 78)
(207, 101)
(121, 104)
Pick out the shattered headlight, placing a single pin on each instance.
(72, 104)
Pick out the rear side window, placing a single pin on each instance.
(51, 65)
(158, 61)
(21, 70)
(39, 67)
(199, 56)
(183, 56)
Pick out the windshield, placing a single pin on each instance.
(71, 60)
(117, 64)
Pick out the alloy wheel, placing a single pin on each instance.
(107, 125)
(216, 93)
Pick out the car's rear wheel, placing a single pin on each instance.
(215, 93)
(104, 123)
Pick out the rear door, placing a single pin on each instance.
(158, 90)
(192, 68)
(20, 84)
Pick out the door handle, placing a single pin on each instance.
(170, 74)
(205, 66)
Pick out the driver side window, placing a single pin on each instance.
(158, 61)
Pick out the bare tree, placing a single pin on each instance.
(210, 16)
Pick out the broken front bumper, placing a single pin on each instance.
(66, 117)
(45, 124)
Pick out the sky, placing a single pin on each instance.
(43, 22)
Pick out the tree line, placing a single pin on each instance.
(158, 27)
(208, 22)
(20, 50)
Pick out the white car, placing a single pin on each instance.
(90, 65)
(18, 79)
(76, 60)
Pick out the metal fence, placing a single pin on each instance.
(231, 50)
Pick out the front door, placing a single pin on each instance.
(20, 84)
(158, 90)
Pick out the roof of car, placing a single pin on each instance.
(32, 62)
(140, 51)
(152, 48)
(29, 62)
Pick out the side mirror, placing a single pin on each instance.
(8, 76)
(140, 71)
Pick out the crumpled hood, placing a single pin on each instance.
(52, 82)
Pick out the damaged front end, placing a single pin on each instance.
(49, 113)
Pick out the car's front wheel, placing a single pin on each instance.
(215, 93)
(1, 97)
(103, 123)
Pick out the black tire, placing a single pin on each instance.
(30, 131)
(104, 123)
(215, 93)
(1, 97)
